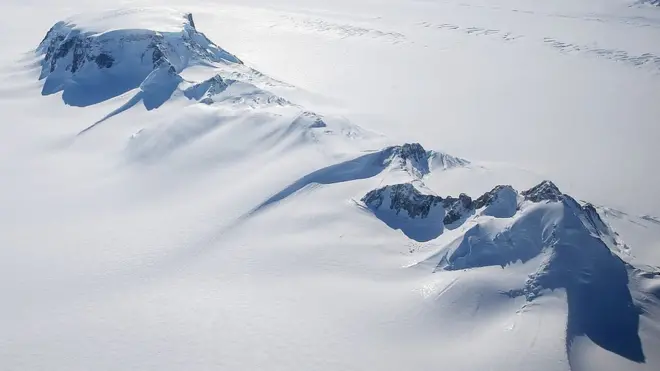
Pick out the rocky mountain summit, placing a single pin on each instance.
(404, 206)
(92, 66)
(403, 198)
(407, 198)
(417, 161)
(68, 48)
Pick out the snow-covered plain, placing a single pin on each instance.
(242, 188)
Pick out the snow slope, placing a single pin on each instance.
(167, 206)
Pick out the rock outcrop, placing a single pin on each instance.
(417, 161)
(402, 197)
(525, 211)
(544, 191)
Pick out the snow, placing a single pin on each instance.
(205, 209)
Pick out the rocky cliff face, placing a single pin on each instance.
(457, 208)
(402, 197)
(544, 191)
(407, 197)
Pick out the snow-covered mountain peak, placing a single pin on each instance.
(411, 157)
(544, 191)
(503, 202)
(91, 66)
(411, 151)
(498, 195)
(444, 161)
(417, 161)
(205, 90)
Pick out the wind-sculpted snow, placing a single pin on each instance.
(218, 211)
(411, 158)
(542, 216)
(205, 90)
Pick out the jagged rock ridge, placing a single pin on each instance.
(544, 191)
(413, 158)
(402, 197)
(205, 90)
(406, 197)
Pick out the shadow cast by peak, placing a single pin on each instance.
(363, 167)
(86, 92)
(600, 305)
(420, 230)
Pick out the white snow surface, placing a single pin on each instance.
(208, 216)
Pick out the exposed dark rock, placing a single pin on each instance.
(157, 55)
(416, 160)
(412, 157)
(402, 197)
(457, 208)
(104, 60)
(649, 218)
(68, 51)
(489, 197)
(406, 197)
(52, 39)
(78, 55)
(411, 151)
(574, 249)
(205, 90)
(544, 191)
(189, 17)
(311, 120)
(593, 218)
(63, 39)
